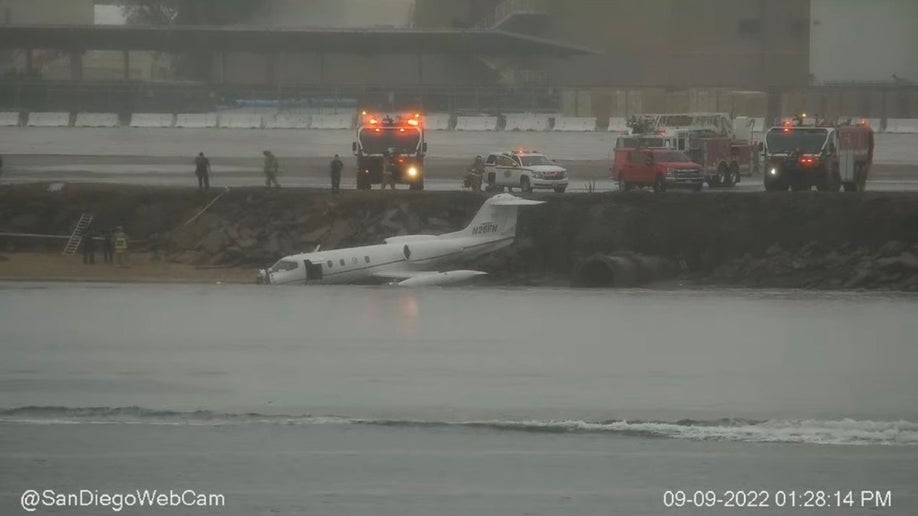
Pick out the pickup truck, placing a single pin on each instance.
(657, 168)
(526, 170)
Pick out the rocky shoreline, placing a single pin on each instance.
(763, 240)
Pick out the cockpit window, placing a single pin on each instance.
(284, 265)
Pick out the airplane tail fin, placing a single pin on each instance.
(496, 218)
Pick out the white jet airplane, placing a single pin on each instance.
(408, 261)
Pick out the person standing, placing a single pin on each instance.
(272, 168)
(108, 246)
(336, 166)
(121, 247)
(89, 249)
(388, 171)
(202, 170)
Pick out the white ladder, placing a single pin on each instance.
(77, 236)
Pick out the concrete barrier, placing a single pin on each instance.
(288, 121)
(196, 120)
(96, 120)
(575, 123)
(332, 122)
(240, 121)
(618, 124)
(152, 120)
(476, 123)
(49, 120)
(9, 119)
(437, 122)
(902, 125)
(527, 122)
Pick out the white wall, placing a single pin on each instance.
(27, 12)
(863, 40)
(336, 13)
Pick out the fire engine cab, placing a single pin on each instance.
(803, 152)
(711, 140)
(396, 138)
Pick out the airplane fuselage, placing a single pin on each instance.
(369, 264)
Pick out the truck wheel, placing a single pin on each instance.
(697, 187)
(525, 185)
(860, 178)
(362, 182)
(733, 175)
(659, 185)
(560, 189)
(799, 186)
(418, 185)
(831, 182)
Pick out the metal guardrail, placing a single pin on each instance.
(509, 8)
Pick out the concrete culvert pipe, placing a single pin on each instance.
(627, 270)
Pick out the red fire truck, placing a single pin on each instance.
(709, 139)
(801, 153)
(397, 138)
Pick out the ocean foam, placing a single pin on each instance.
(807, 431)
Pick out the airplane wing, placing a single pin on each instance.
(426, 278)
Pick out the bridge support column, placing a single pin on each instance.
(271, 69)
(76, 65)
(126, 58)
(321, 67)
(774, 105)
(420, 69)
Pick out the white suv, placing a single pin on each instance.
(526, 170)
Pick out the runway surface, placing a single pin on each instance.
(163, 157)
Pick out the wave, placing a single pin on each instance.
(806, 431)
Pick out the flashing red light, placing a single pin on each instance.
(808, 161)
(373, 121)
(401, 129)
(377, 129)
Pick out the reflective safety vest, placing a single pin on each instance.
(121, 243)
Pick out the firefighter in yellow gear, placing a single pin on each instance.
(272, 169)
(121, 247)
(475, 174)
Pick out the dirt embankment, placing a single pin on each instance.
(765, 240)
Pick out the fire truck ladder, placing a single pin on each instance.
(77, 236)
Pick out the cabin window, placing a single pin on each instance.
(366, 259)
(354, 260)
(504, 161)
(329, 264)
(492, 159)
(342, 262)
